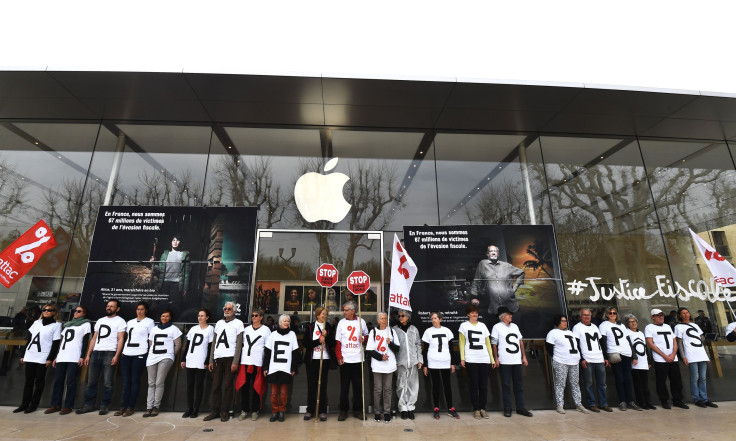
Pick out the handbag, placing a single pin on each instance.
(614, 357)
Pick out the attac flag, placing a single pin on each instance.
(723, 272)
(403, 271)
(17, 259)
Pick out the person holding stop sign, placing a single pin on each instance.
(351, 332)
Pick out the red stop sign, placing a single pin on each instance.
(327, 275)
(358, 282)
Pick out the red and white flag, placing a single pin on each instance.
(723, 272)
(17, 259)
(403, 271)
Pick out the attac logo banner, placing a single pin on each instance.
(21, 255)
(723, 272)
(403, 272)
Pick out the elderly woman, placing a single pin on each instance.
(279, 365)
(40, 352)
(320, 351)
(164, 343)
(439, 364)
(476, 356)
(565, 361)
(640, 363)
(196, 349)
(693, 354)
(251, 383)
(74, 339)
(382, 347)
(617, 350)
(409, 361)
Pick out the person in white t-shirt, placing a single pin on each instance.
(693, 354)
(510, 356)
(133, 361)
(382, 347)
(225, 361)
(74, 340)
(320, 346)
(279, 365)
(103, 353)
(476, 356)
(661, 340)
(164, 343)
(438, 354)
(196, 348)
(350, 335)
(563, 347)
(640, 363)
(40, 352)
(731, 332)
(593, 363)
(617, 350)
(251, 383)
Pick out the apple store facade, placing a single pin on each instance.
(338, 165)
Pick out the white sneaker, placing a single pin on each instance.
(242, 416)
(560, 409)
(580, 408)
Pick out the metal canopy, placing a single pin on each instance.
(363, 103)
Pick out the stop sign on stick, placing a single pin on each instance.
(327, 275)
(358, 282)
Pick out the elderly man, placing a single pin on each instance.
(509, 354)
(661, 340)
(349, 336)
(498, 281)
(225, 361)
(589, 341)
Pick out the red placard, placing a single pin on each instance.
(358, 282)
(327, 275)
(17, 259)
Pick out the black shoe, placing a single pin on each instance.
(436, 413)
(377, 417)
(711, 404)
(224, 416)
(195, 413)
(404, 414)
(523, 412)
(212, 416)
(21, 408)
(323, 417)
(188, 413)
(343, 416)
(680, 404)
(281, 417)
(666, 406)
(700, 404)
(507, 413)
(274, 417)
(307, 416)
(411, 414)
(30, 409)
(85, 409)
(386, 417)
(103, 410)
(358, 415)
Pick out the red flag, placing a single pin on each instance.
(17, 259)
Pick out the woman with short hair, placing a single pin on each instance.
(74, 339)
(319, 350)
(382, 348)
(476, 356)
(640, 363)
(250, 383)
(617, 349)
(279, 365)
(561, 344)
(164, 344)
(438, 354)
(409, 362)
(692, 353)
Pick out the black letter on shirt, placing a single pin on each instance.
(222, 339)
(35, 341)
(196, 341)
(277, 351)
(666, 340)
(473, 340)
(68, 336)
(130, 339)
(251, 343)
(103, 333)
(617, 334)
(439, 338)
(589, 338)
(512, 343)
(571, 339)
(693, 334)
(158, 342)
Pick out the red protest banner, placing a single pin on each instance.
(17, 259)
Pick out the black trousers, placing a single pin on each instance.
(478, 376)
(662, 371)
(195, 387)
(249, 399)
(441, 379)
(35, 381)
(350, 375)
(641, 385)
(312, 380)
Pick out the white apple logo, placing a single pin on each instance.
(319, 197)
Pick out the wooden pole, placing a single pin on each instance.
(319, 381)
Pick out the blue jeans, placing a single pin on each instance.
(511, 373)
(697, 380)
(100, 362)
(624, 382)
(132, 367)
(599, 371)
(66, 373)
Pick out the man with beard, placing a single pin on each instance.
(103, 353)
(225, 361)
(497, 281)
(351, 332)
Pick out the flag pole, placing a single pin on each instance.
(362, 358)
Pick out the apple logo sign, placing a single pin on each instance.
(319, 197)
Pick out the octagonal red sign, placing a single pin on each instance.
(358, 282)
(327, 275)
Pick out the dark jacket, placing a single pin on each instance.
(310, 344)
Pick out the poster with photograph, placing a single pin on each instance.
(266, 296)
(176, 258)
(293, 298)
(312, 298)
(490, 266)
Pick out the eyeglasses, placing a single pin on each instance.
(227, 309)
(48, 310)
(255, 315)
(403, 315)
(78, 311)
(613, 313)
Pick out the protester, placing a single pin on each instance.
(593, 363)
(476, 356)
(693, 354)
(617, 350)
(279, 365)
(350, 334)
(164, 343)
(640, 363)
(439, 364)
(74, 340)
(199, 339)
(319, 349)
(661, 340)
(510, 356)
(251, 382)
(133, 361)
(565, 360)
(224, 362)
(103, 354)
(409, 362)
(382, 347)
(41, 350)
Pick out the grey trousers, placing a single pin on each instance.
(156, 380)
(382, 389)
(407, 387)
(564, 373)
